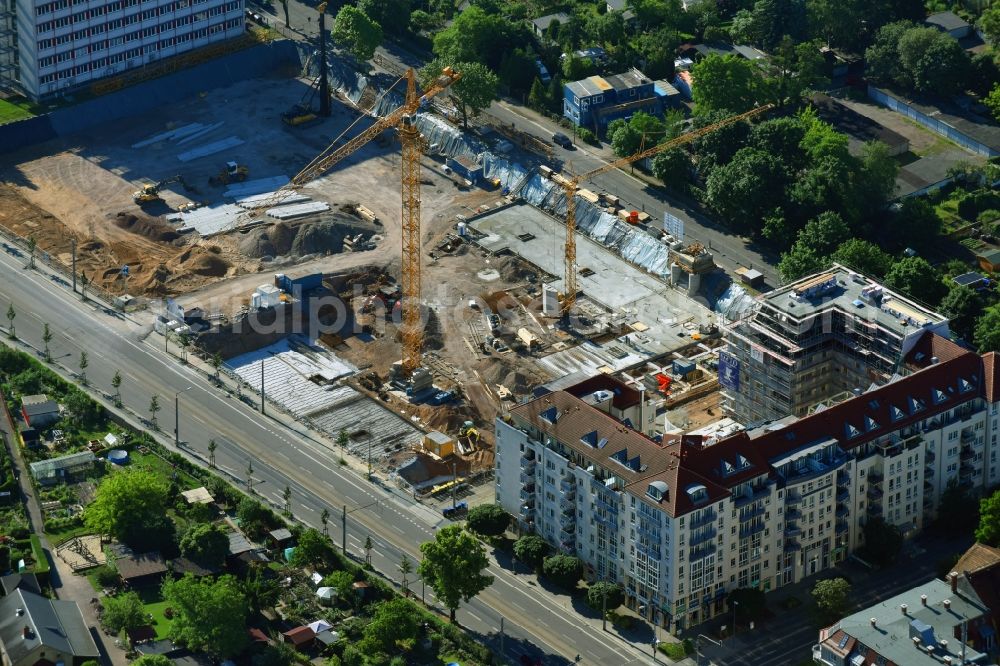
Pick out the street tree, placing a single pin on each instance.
(750, 186)
(392, 15)
(393, 626)
(917, 279)
(84, 363)
(673, 168)
(368, 551)
(116, 384)
(84, 281)
(356, 32)
(453, 565)
(475, 91)
(208, 615)
(532, 550)
(563, 570)
(205, 544)
(217, 364)
(721, 145)
(286, 496)
(212, 447)
(154, 407)
(129, 506)
(488, 520)
(11, 314)
(958, 510)
(250, 475)
(478, 36)
(724, 83)
(987, 333)
(962, 306)
(605, 595)
(122, 612)
(46, 339)
(324, 519)
(32, 246)
(864, 257)
(831, 596)
(405, 569)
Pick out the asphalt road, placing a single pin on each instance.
(536, 622)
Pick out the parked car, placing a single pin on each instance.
(561, 139)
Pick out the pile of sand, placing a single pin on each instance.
(144, 225)
(303, 238)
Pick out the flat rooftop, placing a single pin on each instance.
(666, 317)
(843, 289)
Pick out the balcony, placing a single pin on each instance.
(527, 477)
(568, 510)
(792, 514)
(750, 530)
(567, 486)
(792, 499)
(843, 494)
(567, 503)
(929, 457)
(704, 519)
(606, 520)
(701, 537)
(528, 467)
(751, 513)
(528, 492)
(527, 512)
(648, 550)
(966, 472)
(568, 546)
(841, 527)
(651, 534)
(874, 492)
(843, 478)
(755, 494)
(967, 455)
(528, 457)
(792, 530)
(929, 473)
(928, 501)
(792, 544)
(875, 509)
(701, 552)
(601, 504)
(968, 435)
(875, 478)
(567, 532)
(842, 511)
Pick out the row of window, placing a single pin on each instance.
(111, 8)
(88, 33)
(102, 63)
(101, 10)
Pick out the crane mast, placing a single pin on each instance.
(409, 135)
(571, 184)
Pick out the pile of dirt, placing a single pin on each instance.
(514, 269)
(302, 238)
(514, 379)
(149, 227)
(199, 261)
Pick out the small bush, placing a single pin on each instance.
(587, 136)
(106, 576)
(20, 532)
(988, 215)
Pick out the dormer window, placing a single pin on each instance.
(742, 462)
(851, 431)
(939, 396)
(697, 493)
(870, 424)
(657, 490)
(964, 385)
(897, 413)
(916, 405)
(727, 468)
(590, 439)
(551, 415)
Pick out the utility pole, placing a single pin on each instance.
(72, 242)
(454, 482)
(501, 639)
(262, 386)
(604, 609)
(177, 418)
(369, 457)
(343, 531)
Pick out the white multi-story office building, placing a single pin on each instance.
(47, 47)
(680, 523)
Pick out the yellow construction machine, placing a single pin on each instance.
(232, 173)
(150, 192)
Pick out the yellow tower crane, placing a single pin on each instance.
(405, 119)
(571, 184)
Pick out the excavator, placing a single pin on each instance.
(232, 173)
(150, 192)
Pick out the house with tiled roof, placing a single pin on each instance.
(681, 521)
(929, 625)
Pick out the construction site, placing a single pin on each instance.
(497, 275)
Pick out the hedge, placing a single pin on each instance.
(41, 568)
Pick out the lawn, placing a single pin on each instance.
(57, 537)
(154, 605)
(9, 112)
(162, 468)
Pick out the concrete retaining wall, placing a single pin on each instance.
(220, 72)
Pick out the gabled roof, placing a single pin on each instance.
(26, 581)
(978, 558)
(947, 21)
(138, 566)
(38, 404)
(930, 345)
(57, 625)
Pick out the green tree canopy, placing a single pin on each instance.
(531, 549)
(313, 549)
(152, 660)
(453, 565)
(673, 168)
(724, 83)
(864, 257)
(254, 517)
(206, 544)
(832, 597)
(987, 333)
(988, 531)
(392, 15)
(933, 62)
(989, 23)
(916, 224)
(605, 595)
(993, 102)
(773, 19)
(130, 505)
(208, 615)
(781, 137)
(798, 261)
(718, 147)
(575, 68)
(473, 92)
(343, 583)
(916, 278)
(962, 306)
(563, 570)
(477, 36)
(824, 234)
(958, 510)
(122, 612)
(356, 32)
(394, 625)
(882, 57)
(751, 185)
(488, 520)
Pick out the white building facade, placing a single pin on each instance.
(680, 524)
(62, 44)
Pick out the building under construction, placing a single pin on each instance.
(814, 339)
